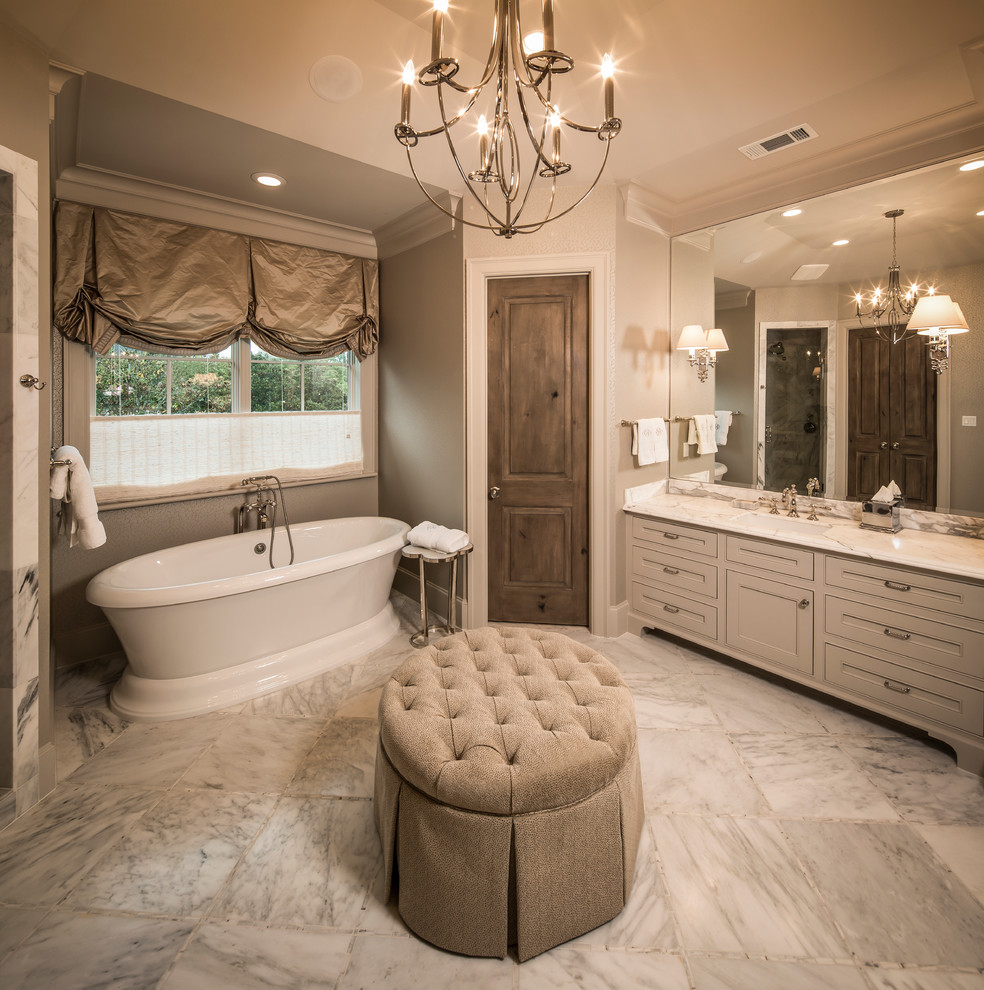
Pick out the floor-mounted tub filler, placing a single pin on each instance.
(210, 624)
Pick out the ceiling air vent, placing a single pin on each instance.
(776, 142)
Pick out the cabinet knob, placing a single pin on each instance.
(805, 603)
(901, 688)
(895, 586)
(898, 635)
(670, 536)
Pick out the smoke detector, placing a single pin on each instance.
(776, 142)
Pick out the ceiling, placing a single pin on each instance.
(208, 92)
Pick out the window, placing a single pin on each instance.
(168, 425)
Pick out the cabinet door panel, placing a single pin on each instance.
(674, 537)
(680, 574)
(770, 620)
(777, 557)
(674, 611)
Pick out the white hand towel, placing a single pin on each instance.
(649, 441)
(722, 419)
(435, 537)
(80, 513)
(702, 433)
(58, 484)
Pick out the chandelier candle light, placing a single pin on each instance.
(888, 312)
(501, 185)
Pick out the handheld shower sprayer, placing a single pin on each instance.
(259, 480)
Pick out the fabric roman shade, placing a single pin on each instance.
(164, 286)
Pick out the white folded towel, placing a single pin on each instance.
(649, 441)
(702, 433)
(79, 511)
(722, 418)
(887, 493)
(434, 537)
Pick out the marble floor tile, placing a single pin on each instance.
(767, 974)
(736, 887)
(376, 916)
(49, 849)
(747, 703)
(315, 698)
(223, 956)
(16, 924)
(645, 657)
(152, 754)
(177, 857)
(569, 966)
(342, 763)
(381, 962)
(673, 702)
(811, 777)
(311, 865)
(90, 952)
(646, 921)
(256, 754)
(843, 719)
(961, 848)
(695, 772)
(89, 682)
(80, 733)
(892, 901)
(922, 781)
(365, 705)
(907, 979)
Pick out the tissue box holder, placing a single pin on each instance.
(881, 516)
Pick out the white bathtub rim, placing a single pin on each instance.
(145, 699)
(102, 590)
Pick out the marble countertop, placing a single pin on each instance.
(955, 556)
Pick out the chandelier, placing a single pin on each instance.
(519, 77)
(888, 312)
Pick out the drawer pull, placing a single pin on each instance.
(901, 688)
(895, 586)
(671, 570)
(671, 608)
(898, 635)
(671, 536)
(805, 603)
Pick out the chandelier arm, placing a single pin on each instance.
(537, 224)
(537, 145)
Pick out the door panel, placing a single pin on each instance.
(538, 449)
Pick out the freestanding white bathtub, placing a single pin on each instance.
(210, 624)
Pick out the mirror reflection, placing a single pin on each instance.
(808, 389)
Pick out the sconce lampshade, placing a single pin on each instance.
(715, 340)
(935, 313)
(692, 337)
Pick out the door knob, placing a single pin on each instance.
(883, 445)
(493, 493)
(896, 445)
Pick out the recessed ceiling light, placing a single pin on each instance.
(970, 166)
(841, 242)
(980, 213)
(268, 179)
(792, 213)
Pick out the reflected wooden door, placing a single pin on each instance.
(538, 449)
(891, 418)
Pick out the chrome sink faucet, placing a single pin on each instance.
(789, 500)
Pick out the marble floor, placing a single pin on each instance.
(789, 844)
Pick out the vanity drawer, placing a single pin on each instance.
(907, 588)
(901, 687)
(775, 557)
(684, 574)
(678, 539)
(927, 640)
(674, 610)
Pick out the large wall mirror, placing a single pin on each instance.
(811, 391)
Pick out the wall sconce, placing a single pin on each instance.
(937, 317)
(703, 346)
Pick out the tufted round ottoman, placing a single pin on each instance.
(508, 795)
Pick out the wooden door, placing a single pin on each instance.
(538, 449)
(891, 418)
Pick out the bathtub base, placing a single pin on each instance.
(145, 699)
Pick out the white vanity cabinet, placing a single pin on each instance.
(903, 642)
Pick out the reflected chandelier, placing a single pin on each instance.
(888, 312)
(513, 72)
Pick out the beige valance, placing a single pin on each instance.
(166, 286)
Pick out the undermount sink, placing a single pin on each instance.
(782, 524)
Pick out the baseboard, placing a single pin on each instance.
(618, 619)
(72, 646)
(47, 769)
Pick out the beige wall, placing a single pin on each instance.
(734, 389)
(797, 303)
(422, 391)
(642, 366)
(24, 129)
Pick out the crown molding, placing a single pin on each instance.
(645, 208)
(96, 187)
(416, 227)
(59, 73)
